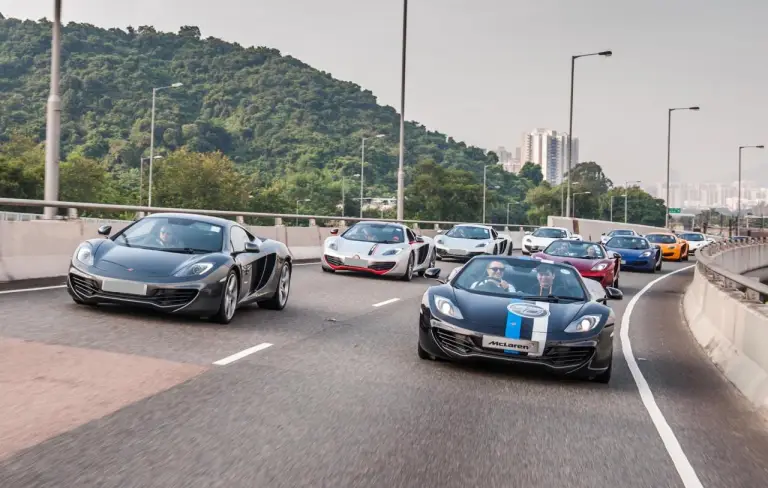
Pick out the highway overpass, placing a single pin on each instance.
(330, 391)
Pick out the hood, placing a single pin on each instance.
(461, 243)
(580, 264)
(541, 241)
(116, 259)
(364, 249)
(488, 314)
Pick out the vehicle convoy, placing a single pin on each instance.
(183, 264)
(379, 248)
(520, 310)
(468, 240)
(673, 248)
(605, 237)
(591, 260)
(543, 237)
(636, 253)
(695, 240)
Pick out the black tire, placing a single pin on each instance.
(495, 250)
(408, 276)
(658, 266)
(616, 280)
(278, 300)
(327, 270)
(225, 315)
(605, 376)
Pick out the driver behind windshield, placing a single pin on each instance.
(165, 237)
(493, 279)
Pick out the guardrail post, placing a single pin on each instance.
(240, 220)
(278, 221)
(72, 213)
(437, 227)
(415, 226)
(312, 223)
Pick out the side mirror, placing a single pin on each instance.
(615, 255)
(251, 247)
(334, 231)
(612, 293)
(419, 239)
(432, 273)
(527, 232)
(439, 231)
(576, 237)
(602, 234)
(105, 230)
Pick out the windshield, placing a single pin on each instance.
(381, 233)
(661, 239)
(550, 233)
(469, 232)
(575, 249)
(173, 234)
(622, 233)
(692, 237)
(520, 278)
(628, 243)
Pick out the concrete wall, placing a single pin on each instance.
(733, 331)
(591, 230)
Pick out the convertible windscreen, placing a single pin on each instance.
(579, 250)
(692, 237)
(660, 239)
(374, 232)
(173, 234)
(628, 243)
(622, 233)
(550, 233)
(468, 232)
(520, 278)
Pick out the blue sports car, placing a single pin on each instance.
(636, 253)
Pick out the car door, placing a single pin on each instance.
(499, 242)
(243, 260)
(419, 248)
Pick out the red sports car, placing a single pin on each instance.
(591, 259)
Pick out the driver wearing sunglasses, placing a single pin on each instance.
(494, 274)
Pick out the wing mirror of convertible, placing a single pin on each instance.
(105, 230)
(334, 231)
(612, 293)
(433, 274)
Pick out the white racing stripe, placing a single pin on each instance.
(386, 302)
(6, 292)
(540, 328)
(680, 460)
(242, 354)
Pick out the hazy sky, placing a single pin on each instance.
(485, 71)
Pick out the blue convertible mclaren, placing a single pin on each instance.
(520, 311)
(636, 253)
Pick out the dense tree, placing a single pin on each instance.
(641, 207)
(532, 172)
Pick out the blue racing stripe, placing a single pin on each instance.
(514, 326)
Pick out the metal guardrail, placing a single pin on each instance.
(219, 213)
(753, 290)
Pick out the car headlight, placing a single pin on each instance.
(599, 267)
(439, 241)
(84, 254)
(584, 323)
(447, 308)
(332, 245)
(646, 254)
(480, 245)
(392, 252)
(196, 269)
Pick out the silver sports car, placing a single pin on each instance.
(468, 240)
(380, 248)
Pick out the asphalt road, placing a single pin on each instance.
(340, 398)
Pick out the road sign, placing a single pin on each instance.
(674, 210)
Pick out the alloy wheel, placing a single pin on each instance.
(230, 297)
(285, 284)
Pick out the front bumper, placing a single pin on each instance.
(378, 266)
(585, 355)
(452, 253)
(603, 277)
(197, 297)
(531, 248)
(639, 263)
(671, 255)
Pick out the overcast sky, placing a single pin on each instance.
(485, 71)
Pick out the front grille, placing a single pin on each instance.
(453, 342)
(672, 253)
(333, 260)
(162, 297)
(567, 356)
(384, 266)
(636, 263)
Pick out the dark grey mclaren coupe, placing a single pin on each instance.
(184, 264)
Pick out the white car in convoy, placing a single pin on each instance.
(468, 240)
(618, 232)
(696, 240)
(544, 236)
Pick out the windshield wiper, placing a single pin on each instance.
(185, 250)
(551, 298)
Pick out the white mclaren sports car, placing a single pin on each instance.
(543, 237)
(379, 248)
(468, 240)
(618, 232)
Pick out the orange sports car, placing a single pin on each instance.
(673, 248)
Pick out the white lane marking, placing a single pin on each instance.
(241, 354)
(680, 460)
(386, 302)
(22, 290)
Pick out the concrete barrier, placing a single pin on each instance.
(591, 230)
(732, 329)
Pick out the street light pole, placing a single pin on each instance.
(669, 148)
(738, 213)
(574, 200)
(400, 171)
(570, 134)
(53, 126)
(484, 189)
(152, 136)
(362, 170)
(612, 208)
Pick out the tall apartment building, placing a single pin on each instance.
(549, 149)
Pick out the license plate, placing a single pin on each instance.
(458, 252)
(125, 287)
(623, 261)
(503, 343)
(360, 263)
